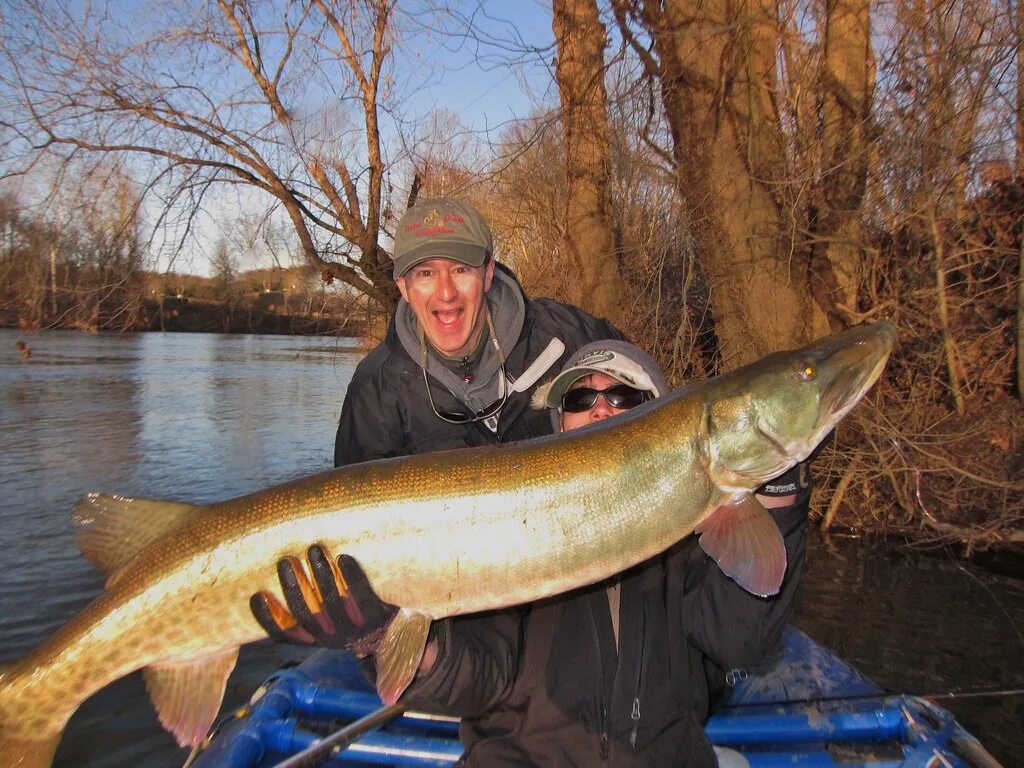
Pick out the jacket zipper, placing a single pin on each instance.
(634, 715)
(602, 711)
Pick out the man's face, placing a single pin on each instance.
(599, 410)
(448, 300)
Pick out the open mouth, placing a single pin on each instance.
(449, 317)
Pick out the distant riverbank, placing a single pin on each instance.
(199, 316)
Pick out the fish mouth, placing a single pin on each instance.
(854, 363)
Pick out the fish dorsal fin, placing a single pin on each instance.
(112, 529)
(399, 653)
(187, 694)
(746, 543)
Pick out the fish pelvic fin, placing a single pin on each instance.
(400, 652)
(742, 537)
(25, 742)
(187, 694)
(112, 529)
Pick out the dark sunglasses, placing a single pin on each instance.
(620, 396)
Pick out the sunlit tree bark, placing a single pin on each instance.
(847, 85)
(716, 65)
(591, 241)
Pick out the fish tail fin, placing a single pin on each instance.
(23, 742)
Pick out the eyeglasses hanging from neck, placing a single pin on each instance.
(492, 410)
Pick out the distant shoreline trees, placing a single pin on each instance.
(85, 272)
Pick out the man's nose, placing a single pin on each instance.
(601, 409)
(446, 289)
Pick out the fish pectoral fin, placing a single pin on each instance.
(399, 653)
(742, 537)
(112, 529)
(187, 694)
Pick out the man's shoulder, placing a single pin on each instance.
(547, 309)
(380, 364)
(376, 357)
(568, 320)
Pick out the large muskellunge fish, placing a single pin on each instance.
(437, 534)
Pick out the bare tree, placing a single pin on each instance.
(75, 257)
(284, 99)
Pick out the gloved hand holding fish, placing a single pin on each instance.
(436, 535)
(339, 609)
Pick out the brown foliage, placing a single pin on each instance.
(911, 463)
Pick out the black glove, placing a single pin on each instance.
(338, 609)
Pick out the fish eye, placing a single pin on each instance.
(806, 371)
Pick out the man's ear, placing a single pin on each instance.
(400, 282)
(488, 274)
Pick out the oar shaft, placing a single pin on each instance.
(329, 746)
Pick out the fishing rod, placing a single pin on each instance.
(322, 751)
(973, 693)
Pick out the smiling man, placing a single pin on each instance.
(465, 349)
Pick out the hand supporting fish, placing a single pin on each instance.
(337, 609)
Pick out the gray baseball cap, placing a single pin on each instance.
(440, 227)
(624, 362)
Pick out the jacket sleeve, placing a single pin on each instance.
(476, 664)
(370, 426)
(730, 626)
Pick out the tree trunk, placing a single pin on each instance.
(1019, 159)
(591, 241)
(847, 82)
(53, 282)
(717, 74)
(1020, 321)
(1019, 174)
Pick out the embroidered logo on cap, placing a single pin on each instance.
(596, 357)
(434, 224)
(615, 365)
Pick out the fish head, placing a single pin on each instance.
(771, 414)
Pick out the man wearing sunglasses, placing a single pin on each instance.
(622, 673)
(464, 351)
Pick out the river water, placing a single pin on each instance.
(203, 417)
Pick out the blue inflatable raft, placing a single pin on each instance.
(808, 709)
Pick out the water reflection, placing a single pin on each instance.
(57, 434)
(187, 416)
(925, 625)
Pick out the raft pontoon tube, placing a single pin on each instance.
(808, 709)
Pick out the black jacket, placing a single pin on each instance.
(544, 686)
(386, 412)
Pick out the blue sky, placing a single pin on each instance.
(488, 77)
